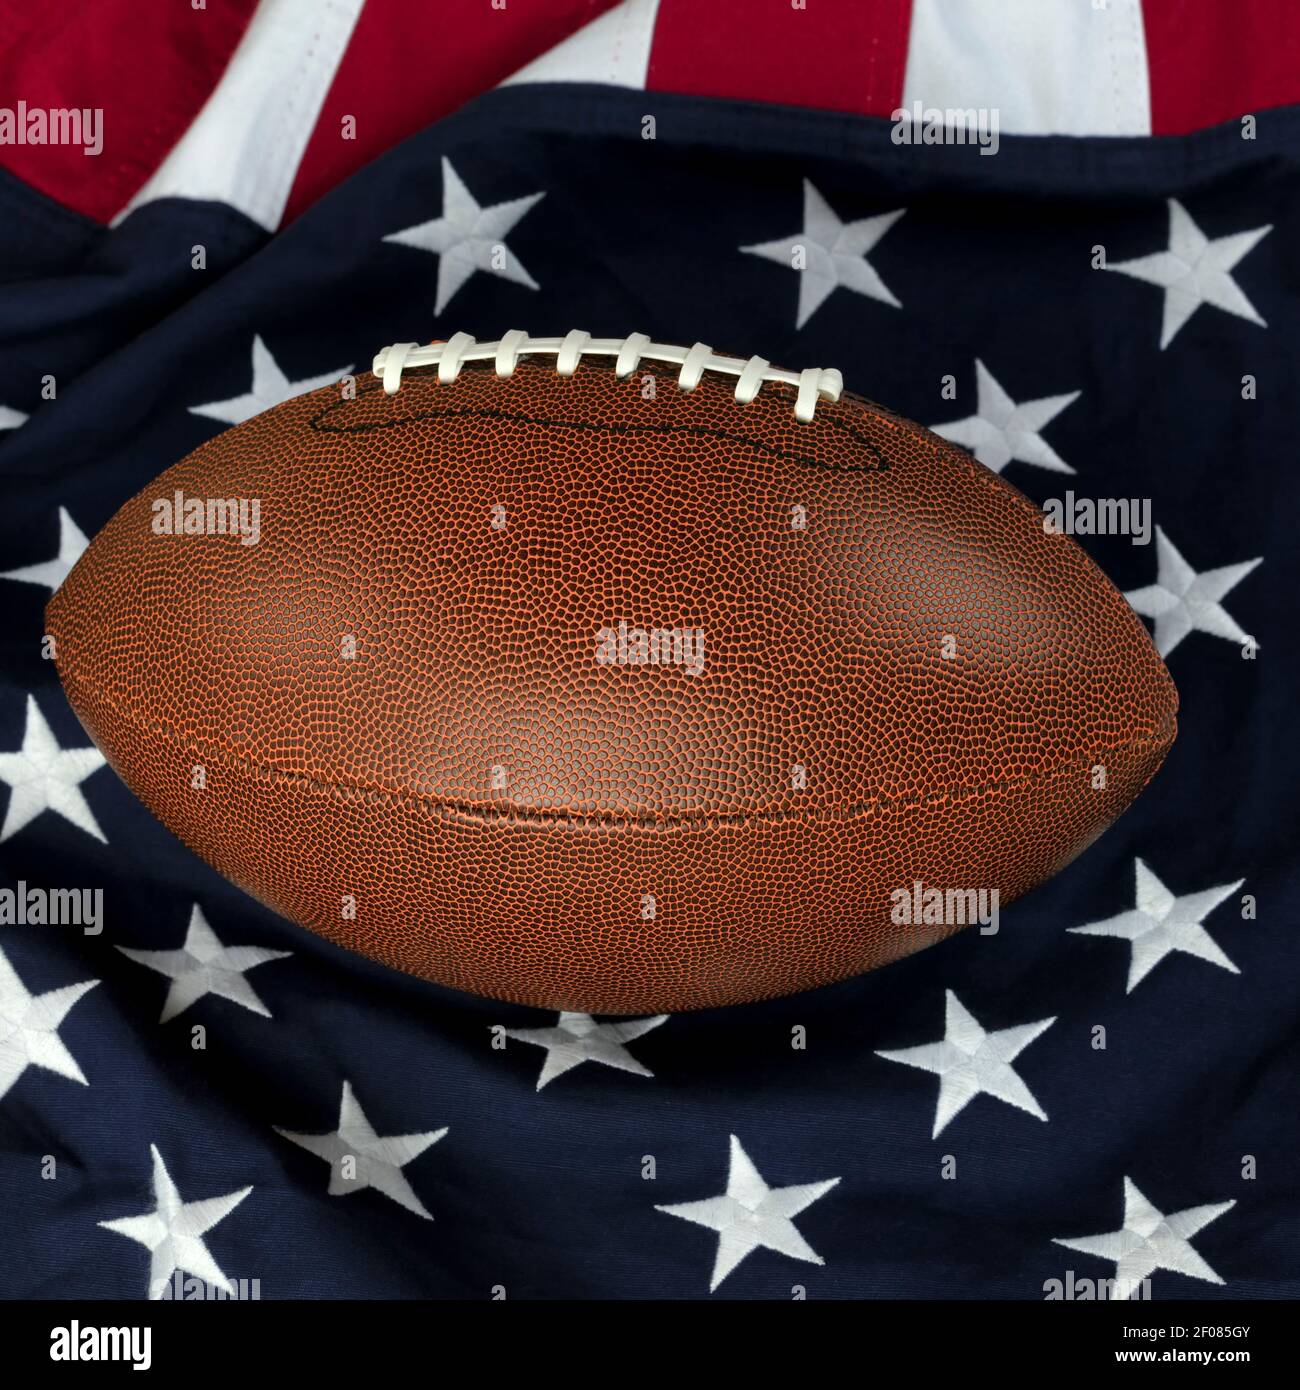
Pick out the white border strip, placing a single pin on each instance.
(245, 146)
(1047, 67)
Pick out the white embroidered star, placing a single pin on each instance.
(173, 1231)
(203, 965)
(10, 418)
(52, 573)
(270, 387)
(468, 237)
(1181, 601)
(360, 1158)
(835, 254)
(1150, 1240)
(1195, 271)
(1002, 430)
(29, 1028)
(970, 1062)
(44, 777)
(750, 1215)
(1160, 924)
(578, 1038)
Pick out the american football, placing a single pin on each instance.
(608, 675)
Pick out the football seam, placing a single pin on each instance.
(881, 463)
(1160, 738)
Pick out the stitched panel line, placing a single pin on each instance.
(489, 813)
(878, 463)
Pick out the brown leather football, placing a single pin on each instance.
(607, 675)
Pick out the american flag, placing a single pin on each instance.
(1096, 293)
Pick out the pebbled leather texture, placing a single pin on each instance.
(904, 678)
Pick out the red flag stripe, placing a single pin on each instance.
(836, 57)
(149, 76)
(1214, 63)
(408, 65)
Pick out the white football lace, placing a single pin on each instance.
(813, 384)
